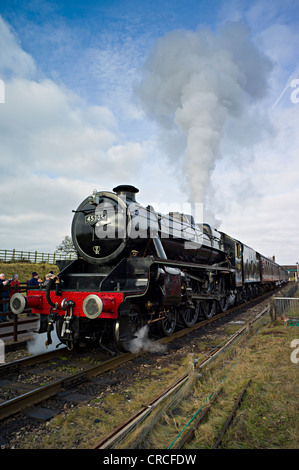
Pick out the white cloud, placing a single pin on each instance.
(55, 149)
(13, 60)
(258, 202)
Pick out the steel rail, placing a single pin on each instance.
(109, 439)
(231, 416)
(8, 367)
(189, 436)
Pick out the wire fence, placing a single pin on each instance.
(287, 304)
(11, 256)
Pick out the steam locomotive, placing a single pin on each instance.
(136, 266)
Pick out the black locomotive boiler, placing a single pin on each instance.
(136, 266)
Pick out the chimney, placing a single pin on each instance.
(126, 191)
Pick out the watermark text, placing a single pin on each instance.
(295, 353)
(111, 221)
(295, 93)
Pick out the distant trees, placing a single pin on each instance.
(66, 246)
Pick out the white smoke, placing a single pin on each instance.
(195, 84)
(143, 343)
(37, 345)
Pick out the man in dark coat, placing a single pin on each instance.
(34, 280)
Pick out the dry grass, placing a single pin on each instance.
(268, 416)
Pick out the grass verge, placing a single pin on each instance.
(268, 415)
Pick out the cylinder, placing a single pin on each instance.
(18, 302)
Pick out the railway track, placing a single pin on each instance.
(136, 425)
(34, 396)
(68, 381)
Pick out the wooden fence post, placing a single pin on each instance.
(15, 327)
(33, 256)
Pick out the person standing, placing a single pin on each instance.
(4, 294)
(34, 280)
(48, 277)
(15, 285)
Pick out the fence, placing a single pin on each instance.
(287, 305)
(33, 256)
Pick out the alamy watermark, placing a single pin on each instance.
(2, 91)
(112, 220)
(295, 93)
(295, 353)
(292, 83)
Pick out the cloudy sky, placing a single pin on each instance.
(190, 101)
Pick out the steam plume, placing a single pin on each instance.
(142, 342)
(36, 345)
(193, 84)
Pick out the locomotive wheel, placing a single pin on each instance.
(249, 293)
(189, 316)
(223, 302)
(168, 323)
(242, 294)
(209, 308)
(126, 327)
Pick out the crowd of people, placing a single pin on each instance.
(10, 286)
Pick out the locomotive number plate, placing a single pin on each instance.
(93, 218)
